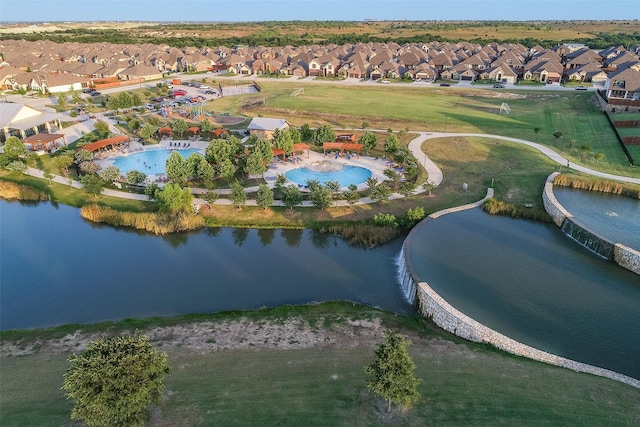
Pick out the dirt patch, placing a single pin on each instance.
(242, 334)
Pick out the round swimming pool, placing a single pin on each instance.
(150, 162)
(329, 171)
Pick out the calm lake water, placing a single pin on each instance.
(531, 282)
(617, 218)
(57, 268)
(525, 279)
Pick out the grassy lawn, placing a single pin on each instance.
(534, 116)
(320, 383)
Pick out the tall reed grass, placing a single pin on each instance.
(497, 207)
(603, 186)
(365, 235)
(13, 191)
(154, 222)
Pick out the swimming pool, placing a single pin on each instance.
(150, 162)
(329, 171)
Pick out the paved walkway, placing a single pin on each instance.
(435, 175)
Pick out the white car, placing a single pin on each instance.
(204, 87)
(385, 82)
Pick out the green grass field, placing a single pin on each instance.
(323, 384)
(534, 116)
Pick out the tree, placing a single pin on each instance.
(46, 174)
(83, 156)
(291, 196)
(305, 132)
(14, 149)
(263, 146)
(429, 187)
(379, 193)
(135, 177)
(101, 126)
(205, 171)
(254, 164)
(63, 162)
(392, 175)
(264, 197)
(323, 134)
(174, 199)
(89, 167)
(238, 196)
(406, 189)
(227, 170)
(92, 184)
(110, 173)
(416, 214)
(210, 197)
(151, 190)
(296, 137)
(17, 166)
(391, 144)
(62, 101)
(191, 164)
(76, 98)
(368, 140)
(115, 380)
(179, 126)
(392, 372)
(352, 195)
(320, 196)
(282, 140)
(134, 124)
(176, 168)
(333, 186)
(146, 131)
(206, 126)
(219, 150)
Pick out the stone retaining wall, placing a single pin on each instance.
(434, 307)
(627, 257)
(624, 256)
(551, 205)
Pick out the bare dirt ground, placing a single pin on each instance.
(207, 336)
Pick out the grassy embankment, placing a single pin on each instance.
(303, 366)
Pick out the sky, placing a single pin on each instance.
(318, 10)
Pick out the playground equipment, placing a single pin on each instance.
(505, 107)
(298, 91)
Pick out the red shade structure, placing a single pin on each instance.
(43, 141)
(116, 140)
(165, 131)
(194, 130)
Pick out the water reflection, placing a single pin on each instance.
(292, 237)
(266, 235)
(239, 236)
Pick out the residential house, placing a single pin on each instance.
(624, 84)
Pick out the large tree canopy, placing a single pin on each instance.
(115, 380)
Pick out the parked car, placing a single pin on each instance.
(445, 84)
(89, 90)
(96, 93)
(211, 92)
(499, 86)
(385, 81)
(204, 87)
(581, 88)
(179, 92)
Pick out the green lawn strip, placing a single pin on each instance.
(462, 383)
(624, 132)
(619, 117)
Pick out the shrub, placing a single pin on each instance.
(385, 220)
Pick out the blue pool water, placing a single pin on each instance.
(150, 162)
(345, 176)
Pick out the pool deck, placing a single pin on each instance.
(375, 165)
